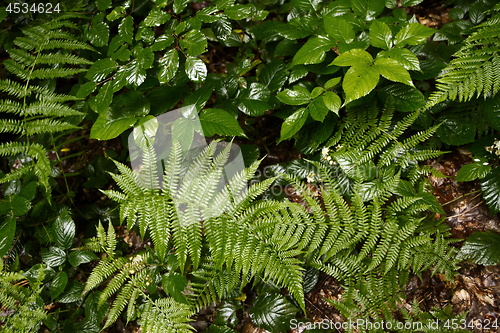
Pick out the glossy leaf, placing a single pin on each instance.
(359, 81)
(482, 247)
(7, 232)
(313, 51)
(168, 66)
(472, 171)
(332, 101)
(405, 98)
(274, 75)
(19, 205)
(353, 57)
(404, 56)
(126, 29)
(413, 34)
(293, 123)
(98, 32)
(79, 257)
(199, 97)
(174, 284)
(367, 9)
(294, 97)
(64, 230)
(86, 89)
(253, 100)
(227, 313)
(194, 42)
(180, 5)
(455, 130)
(272, 312)
(332, 82)
(101, 69)
(393, 70)
(104, 97)
(380, 35)
(58, 284)
(156, 18)
(490, 186)
(183, 132)
(318, 109)
(162, 43)
(339, 29)
(217, 121)
(135, 74)
(54, 256)
(73, 293)
(222, 28)
(103, 4)
(196, 69)
(238, 12)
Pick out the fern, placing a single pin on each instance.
(474, 71)
(43, 52)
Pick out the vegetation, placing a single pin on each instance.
(137, 180)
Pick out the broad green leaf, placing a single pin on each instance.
(145, 57)
(222, 28)
(104, 97)
(380, 35)
(174, 284)
(194, 42)
(19, 205)
(294, 97)
(199, 97)
(490, 186)
(482, 247)
(367, 9)
(217, 121)
(274, 75)
(307, 5)
(318, 110)
(103, 4)
(272, 312)
(393, 70)
(116, 13)
(409, 3)
(135, 74)
(53, 257)
(434, 205)
(7, 232)
(33, 272)
(227, 314)
(120, 116)
(332, 101)
(238, 12)
(472, 171)
(64, 230)
(86, 89)
(253, 100)
(405, 98)
(313, 51)
(58, 284)
(72, 294)
(353, 57)
(156, 18)
(413, 34)
(79, 257)
(223, 4)
(359, 81)
(162, 42)
(28, 191)
(126, 29)
(339, 29)
(404, 56)
(391, 4)
(208, 15)
(332, 83)
(455, 130)
(180, 5)
(168, 66)
(101, 69)
(98, 32)
(196, 69)
(316, 92)
(293, 123)
(183, 132)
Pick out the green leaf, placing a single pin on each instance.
(174, 284)
(126, 29)
(135, 74)
(359, 81)
(412, 34)
(101, 69)
(473, 171)
(380, 35)
(28, 191)
(86, 89)
(238, 12)
(227, 313)
(194, 42)
(196, 69)
(491, 109)
(79, 257)
(307, 5)
(253, 100)
(104, 97)
(393, 70)
(455, 130)
(217, 121)
(313, 51)
(7, 232)
(318, 110)
(120, 116)
(339, 29)
(482, 247)
(183, 131)
(293, 123)
(353, 57)
(156, 18)
(222, 28)
(73, 293)
(294, 97)
(316, 92)
(162, 42)
(332, 82)
(180, 5)
(367, 9)
(272, 312)
(64, 230)
(199, 97)
(98, 32)
(409, 3)
(274, 75)
(54, 256)
(103, 4)
(490, 186)
(168, 66)
(58, 284)
(432, 201)
(405, 98)
(332, 101)
(19, 205)
(404, 56)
